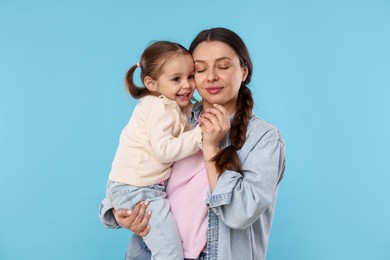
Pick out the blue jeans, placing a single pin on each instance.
(163, 239)
(137, 250)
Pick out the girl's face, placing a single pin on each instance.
(176, 81)
(218, 74)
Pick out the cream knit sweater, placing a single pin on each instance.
(153, 139)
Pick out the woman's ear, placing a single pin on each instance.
(150, 84)
(244, 72)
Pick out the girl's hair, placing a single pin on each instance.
(152, 62)
(227, 159)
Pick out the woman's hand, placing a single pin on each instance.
(135, 220)
(215, 124)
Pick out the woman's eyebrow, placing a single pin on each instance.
(219, 59)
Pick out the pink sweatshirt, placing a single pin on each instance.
(187, 189)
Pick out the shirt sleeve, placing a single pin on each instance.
(105, 214)
(240, 200)
(163, 121)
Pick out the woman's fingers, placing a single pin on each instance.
(135, 220)
(144, 228)
(221, 112)
(122, 216)
(216, 117)
(142, 219)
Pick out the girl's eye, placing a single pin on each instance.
(176, 79)
(223, 67)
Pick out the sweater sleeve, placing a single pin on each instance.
(165, 131)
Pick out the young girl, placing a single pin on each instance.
(154, 138)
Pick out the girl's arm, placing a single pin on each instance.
(168, 143)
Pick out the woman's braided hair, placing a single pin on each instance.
(227, 159)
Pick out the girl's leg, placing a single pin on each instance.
(163, 239)
(137, 249)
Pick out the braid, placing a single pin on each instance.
(241, 117)
(227, 159)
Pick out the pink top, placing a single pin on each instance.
(187, 189)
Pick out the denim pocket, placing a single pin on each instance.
(120, 195)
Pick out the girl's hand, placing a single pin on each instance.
(135, 220)
(215, 124)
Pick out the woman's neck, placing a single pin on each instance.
(230, 109)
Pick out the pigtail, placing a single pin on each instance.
(227, 159)
(135, 91)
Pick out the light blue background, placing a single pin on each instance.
(322, 75)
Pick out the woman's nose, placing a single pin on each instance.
(212, 75)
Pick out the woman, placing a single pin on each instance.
(243, 166)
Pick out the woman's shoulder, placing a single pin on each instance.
(262, 130)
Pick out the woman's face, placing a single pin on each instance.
(218, 74)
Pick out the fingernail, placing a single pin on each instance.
(141, 203)
(129, 212)
(146, 203)
(149, 212)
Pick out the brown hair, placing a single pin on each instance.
(227, 159)
(151, 64)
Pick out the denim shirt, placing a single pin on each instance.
(241, 208)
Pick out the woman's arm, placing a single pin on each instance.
(240, 200)
(215, 124)
(237, 199)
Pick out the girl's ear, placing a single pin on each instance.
(150, 84)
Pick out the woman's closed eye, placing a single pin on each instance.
(224, 65)
(200, 69)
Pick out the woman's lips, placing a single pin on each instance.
(214, 90)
